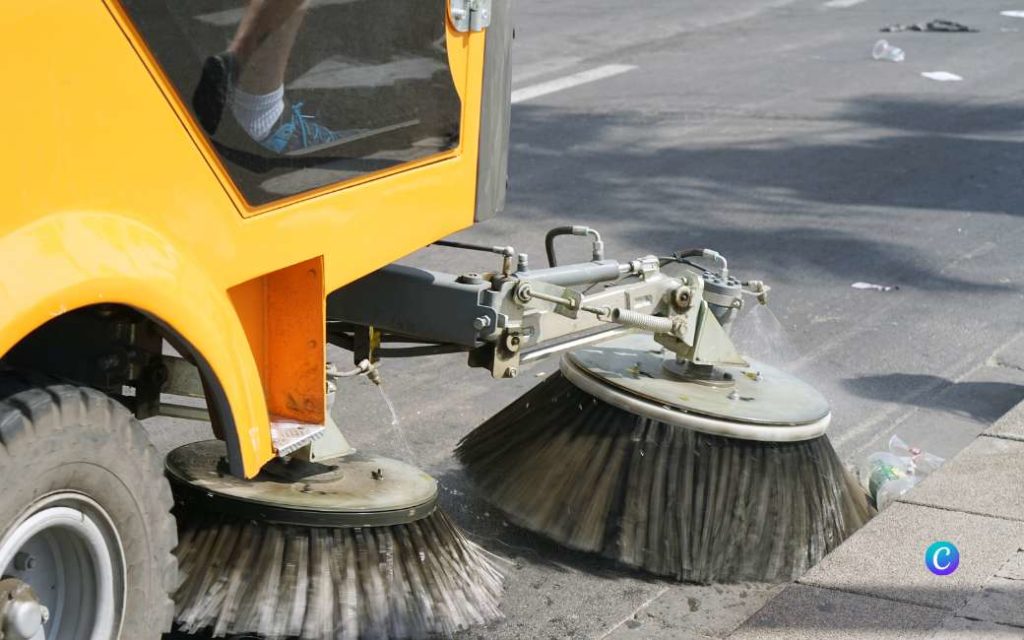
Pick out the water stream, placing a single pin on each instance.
(396, 426)
(758, 334)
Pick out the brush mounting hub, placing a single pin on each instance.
(759, 403)
(706, 374)
(357, 490)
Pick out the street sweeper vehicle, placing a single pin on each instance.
(200, 195)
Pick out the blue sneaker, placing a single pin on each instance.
(299, 133)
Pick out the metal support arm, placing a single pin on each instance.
(501, 317)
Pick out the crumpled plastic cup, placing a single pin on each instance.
(885, 51)
(887, 475)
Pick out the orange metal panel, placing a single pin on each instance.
(296, 325)
(284, 318)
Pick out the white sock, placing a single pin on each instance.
(257, 113)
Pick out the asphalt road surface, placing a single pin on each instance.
(763, 130)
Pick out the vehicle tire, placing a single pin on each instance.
(84, 511)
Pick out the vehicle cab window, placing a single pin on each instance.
(295, 95)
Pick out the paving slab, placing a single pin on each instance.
(1010, 425)
(803, 612)
(987, 478)
(886, 558)
(954, 628)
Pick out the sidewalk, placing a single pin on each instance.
(876, 586)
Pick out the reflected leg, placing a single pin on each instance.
(255, 61)
(249, 77)
(264, 41)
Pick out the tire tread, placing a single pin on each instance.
(32, 404)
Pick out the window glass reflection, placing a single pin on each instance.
(298, 94)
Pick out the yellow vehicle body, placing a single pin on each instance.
(112, 195)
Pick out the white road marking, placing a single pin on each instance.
(567, 82)
(942, 76)
(841, 4)
(548, 67)
(1012, 14)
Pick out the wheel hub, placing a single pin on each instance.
(758, 402)
(357, 490)
(22, 616)
(65, 548)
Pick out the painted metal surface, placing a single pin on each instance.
(111, 196)
(356, 490)
(757, 394)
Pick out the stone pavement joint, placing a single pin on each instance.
(875, 585)
(1010, 426)
(987, 478)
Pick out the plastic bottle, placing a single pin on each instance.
(887, 475)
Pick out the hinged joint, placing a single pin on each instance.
(470, 15)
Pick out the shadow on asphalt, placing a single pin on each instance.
(932, 116)
(919, 155)
(984, 402)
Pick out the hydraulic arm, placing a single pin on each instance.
(517, 313)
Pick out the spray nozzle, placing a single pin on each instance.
(758, 289)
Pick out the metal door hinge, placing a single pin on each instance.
(471, 15)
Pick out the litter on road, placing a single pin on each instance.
(933, 26)
(887, 475)
(942, 76)
(868, 286)
(885, 51)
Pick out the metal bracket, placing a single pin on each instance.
(289, 436)
(470, 15)
(506, 354)
(332, 444)
(366, 342)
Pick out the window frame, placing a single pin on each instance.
(458, 66)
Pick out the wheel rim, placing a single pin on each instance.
(67, 549)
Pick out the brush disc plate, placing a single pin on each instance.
(760, 402)
(358, 490)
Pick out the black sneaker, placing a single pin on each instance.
(211, 94)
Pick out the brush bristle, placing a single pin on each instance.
(672, 501)
(403, 581)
